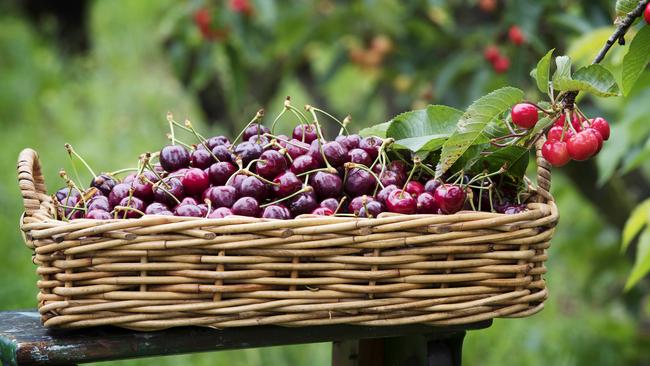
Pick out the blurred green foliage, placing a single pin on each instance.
(148, 57)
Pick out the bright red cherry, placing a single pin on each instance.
(575, 122)
(524, 115)
(556, 132)
(646, 14)
(555, 152)
(415, 188)
(195, 181)
(516, 35)
(599, 137)
(450, 198)
(501, 65)
(582, 145)
(600, 124)
(401, 202)
(491, 53)
(286, 184)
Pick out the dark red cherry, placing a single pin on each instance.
(282, 140)
(401, 202)
(220, 213)
(349, 142)
(188, 210)
(326, 185)
(188, 201)
(165, 191)
(64, 192)
(322, 211)
(133, 203)
(335, 153)
(272, 164)
(222, 153)
(277, 212)
(104, 183)
(360, 156)
(303, 164)
(315, 151)
(237, 180)
(255, 129)
(426, 204)
(195, 181)
(98, 215)
(119, 192)
(248, 151)
(260, 140)
(514, 209)
(359, 182)
(142, 186)
(382, 195)
(174, 157)
(431, 185)
(450, 198)
(372, 209)
(204, 209)
(217, 140)
(201, 159)
(305, 133)
(99, 203)
(253, 187)
(303, 203)
(389, 177)
(398, 167)
(371, 145)
(331, 203)
(246, 206)
(155, 208)
(221, 196)
(286, 184)
(295, 148)
(358, 202)
(219, 173)
(415, 188)
(73, 205)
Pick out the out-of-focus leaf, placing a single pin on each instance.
(471, 126)
(424, 129)
(642, 262)
(583, 49)
(625, 6)
(637, 159)
(378, 130)
(610, 157)
(594, 79)
(639, 218)
(541, 124)
(542, 72)
(636, 59)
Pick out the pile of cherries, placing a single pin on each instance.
(275, 177)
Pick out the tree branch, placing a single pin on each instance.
(621, 30)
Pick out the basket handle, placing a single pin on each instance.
(543, 173)
(32, 186)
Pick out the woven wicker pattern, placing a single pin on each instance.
(160, 271)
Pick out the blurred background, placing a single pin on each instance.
(102, 75)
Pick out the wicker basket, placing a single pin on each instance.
(158, 272)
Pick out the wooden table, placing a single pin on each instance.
(23, 341)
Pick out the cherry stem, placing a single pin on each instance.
(70, 183)
(120, 171)
(582, 115)
(538, 107)
(277, 118)
(362, 167)
(319, 134)
(338, 207)
(170, 120)
(343, 125)
(416, 163)
(160, 179)
(71, 152)
(209, 204)
(188, 124)
(125, 209)
(184, 144)
(568, 119)
(346, 121)
(384, 144)
(285, 141)
(157, 185)
(328, 170)
(257, 118)
(296, 111)
(302, 190)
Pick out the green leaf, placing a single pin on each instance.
(378, 130)
(424, 129)
(594, 79)
(514, 158)
(473, 123)
(639, 218)
(563, 70)
(541, 124)
(642, 262)
(542, 73)
(625, 6)
(636, 59)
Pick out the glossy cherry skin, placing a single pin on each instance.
(222, 153)
(277, 212)
(217, 140)
(248, 151)
(349, 142)
(98, 215)
(322, 211)
(335, 153)
(174, 157)
(201, 159)
(303, 164)
(286, 184)
(221, 196)
(135, 204)
(188, 210)
(143, 186)
(220, 213)
(398, 167)
(64, 192)
(371, 209)
(219, 173)
(99, 203)
(415, 188)
(104, 183)
(253, 187)
(600, 124)
(260, 140)
(575, 122)
(360, 156)
(254, 130)
(326, 185)
(391, 178)
(426, 204)
(195, 181)
(359, 182)
(303, 203)
(331, 203)
(371, 145)
(556, 133)
(400, 201)
(646, 14)
(358, 202)
(524, 115)
(246, 206)
(188, 201)
(236, 181)
(382, 195)
(582, 146)
(450, 198)
(431, 185)
(295, 148)
(118, 193)
(163, 192)
(272, 164)
(305, 133)
(73, 204)
(599, 137)
(155, 208)
(556, 153)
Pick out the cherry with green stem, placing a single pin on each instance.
(258, 117)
